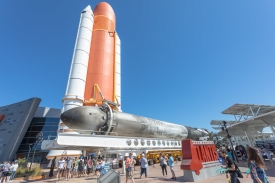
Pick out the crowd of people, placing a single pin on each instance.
(7, 170)
(254, 158)
(77, 167)
(164, 162)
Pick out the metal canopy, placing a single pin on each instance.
(252, 126)
(248, 109)
(244, 111)
(219, 122)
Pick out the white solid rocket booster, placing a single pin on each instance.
(74, 96)
(118, 70)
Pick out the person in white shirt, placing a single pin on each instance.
(60, 167)
(13, 169)
(5, 171)
(69, 165)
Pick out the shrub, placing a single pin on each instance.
(22, 162)
(26, 172)
(23, 171)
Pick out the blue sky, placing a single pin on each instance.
(182, 61)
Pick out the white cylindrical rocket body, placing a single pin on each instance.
(74, 96)
(118, 70)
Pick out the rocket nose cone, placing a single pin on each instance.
(66, 116)
(88, 9)
(105, 9)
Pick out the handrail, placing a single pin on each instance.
(92, 132)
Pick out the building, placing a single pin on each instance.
(20, 123)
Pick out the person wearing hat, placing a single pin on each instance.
(143, 165)
(171, 165)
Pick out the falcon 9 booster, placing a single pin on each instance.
(95, 74)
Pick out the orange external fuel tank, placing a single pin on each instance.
(102, 52)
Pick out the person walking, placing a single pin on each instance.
(171, 165)
(94, 165)
(143, 165)
(60, 166)
(5, 171)
(89, 165)
(75, 167)
(163, 164)
(229, 152)
(98, 168)
(260, 152)
(13, 169)
(231, 167)
(52, 167)
(129, 168)
(80, 167)
(237, 147)
(256, 166)
(271, 149)
(69, 166)
(267, 153)
(85, 167)
(244, 155)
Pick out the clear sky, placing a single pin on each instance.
(182, 61)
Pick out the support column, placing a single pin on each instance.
(248, 139)
(272, 129)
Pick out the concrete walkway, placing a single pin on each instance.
(155, 176)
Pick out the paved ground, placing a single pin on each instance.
(155, 176)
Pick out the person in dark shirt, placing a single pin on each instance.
(231, 167)
(271, 148)
(237, 147)
(244, 155)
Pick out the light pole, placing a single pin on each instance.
(224, 128)
(39, 139)
(29, 151)
(216, 141)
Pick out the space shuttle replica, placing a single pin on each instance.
(92, 103)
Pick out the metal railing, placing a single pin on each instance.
(91, 132)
